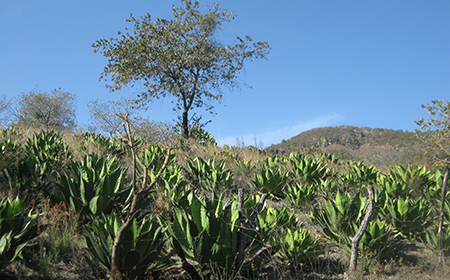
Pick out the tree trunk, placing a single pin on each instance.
(184, 124)
(441, 217)
(362, 229)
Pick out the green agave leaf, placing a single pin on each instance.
(135, 231)
(331, 212)
(7, 212)
(403, 206)
(99, 187)
(205, 220)
(131, 259)
(117, 223)
(342, 201)
(83, 192)
(97, 250)
(196, 211)
(182, 234)
(98, 205)
(234, 218)
(5, 243)
(76, 205)
(18, 250)
(119, 182)
(219, 206)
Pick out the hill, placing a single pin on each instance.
(373, 146)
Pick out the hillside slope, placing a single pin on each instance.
(378, 146)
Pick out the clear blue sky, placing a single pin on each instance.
(360, 63)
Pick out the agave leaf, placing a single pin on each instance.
(98, 205)
(97, 250)
(5, 243)
(197, 212)
(403, 206)
(131, 259)
(76, 205)
(182, 233)
(83, 192)
(331, 212)
(341, 202)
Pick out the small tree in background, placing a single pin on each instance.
(435, 131)
(106, 117)
(4, 106)
(181, 57)
(46, 110)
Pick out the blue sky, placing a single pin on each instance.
(359, 63)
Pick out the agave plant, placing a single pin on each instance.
(327, 186)
(33, 173)
(271, 219)
(141, 250)
(270, 181)
(300, 196)
(341, 218)
(97, 186)
(379, 241)
(294, 247)
(8, 143)
(290, 244)
(29, 176)
(48, 146)
(432, 239)
(153, 158)
(415, 179)
(174, 191)
(209, 174)
(273, 162)
(409, 217)
(337, 216)
(306, 169)
(108, 145)
(17, 227)
(207, 232)
(432, 192)
(365, 174)
(392, 187)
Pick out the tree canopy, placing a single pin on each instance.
(4, 106)
(180, 57)
(108, 117)
(46, 110)
(435, 130)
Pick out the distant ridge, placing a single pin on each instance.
(373, 146)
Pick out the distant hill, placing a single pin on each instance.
(373, 146)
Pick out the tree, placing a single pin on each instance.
(43, 110)
(180, 57)
(107, 117)
(435, 131)
(4, 106)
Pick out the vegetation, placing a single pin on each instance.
(435, 131)
(180, 57)
(140, 205)
(46, 110)
(106, 117)
(133, 210)
(4, 106)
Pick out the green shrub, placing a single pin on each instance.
(17, 227)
